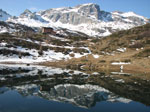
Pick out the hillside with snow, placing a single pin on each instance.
(85, 18)
(22, 42)
(37, 48)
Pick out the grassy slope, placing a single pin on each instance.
(137, 44)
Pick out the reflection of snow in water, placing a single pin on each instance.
(76, 92)
(80, 95)
(33, 70)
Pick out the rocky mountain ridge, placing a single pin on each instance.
(4, 15)
(85, 18)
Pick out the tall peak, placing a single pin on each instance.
(27, 12)
(90, 9)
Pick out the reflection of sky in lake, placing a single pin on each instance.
(26, 93)
(12, 101)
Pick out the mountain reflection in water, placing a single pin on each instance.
(65, 86)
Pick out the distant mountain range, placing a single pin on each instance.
(86, 18)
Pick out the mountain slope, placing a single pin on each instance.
(4, 15)
(136, 38)
(9, 27)
(128, 48)
(86, 18)
(28, 47)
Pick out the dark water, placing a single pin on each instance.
(42, 89)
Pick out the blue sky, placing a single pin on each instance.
(15, 7)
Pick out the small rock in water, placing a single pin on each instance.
(28, 64)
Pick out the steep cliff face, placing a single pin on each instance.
(73, 15)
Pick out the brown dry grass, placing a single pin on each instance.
(140, 61)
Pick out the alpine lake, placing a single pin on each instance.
(47, 89)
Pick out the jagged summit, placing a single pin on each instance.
(26, 13)
(4, 15)
(2, 11)
(90, 10)
(87, 5)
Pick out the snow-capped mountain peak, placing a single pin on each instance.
(129, 14)
(26, 13)
(29, 18)
(89, 10)
(85, 18)
(4, 15)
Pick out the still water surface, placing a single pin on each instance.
(42, 89)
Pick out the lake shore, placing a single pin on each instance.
(75, 64)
